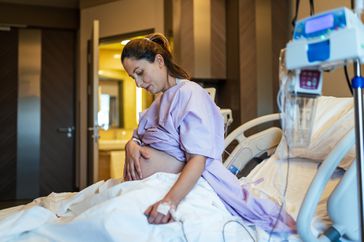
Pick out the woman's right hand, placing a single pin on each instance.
(133, 153)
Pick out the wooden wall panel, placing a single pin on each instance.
(8, 112)
(39, 16)
(218, 39)
(230, 92)
(248, 61)
(57, 111)
(187, 48)
(280, 37)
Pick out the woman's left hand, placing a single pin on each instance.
(155, 217)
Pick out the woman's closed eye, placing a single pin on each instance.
(139, 72)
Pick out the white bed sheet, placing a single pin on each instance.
(113, 211)
(269, 179)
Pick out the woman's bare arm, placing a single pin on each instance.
(184, 184)
(187, 180)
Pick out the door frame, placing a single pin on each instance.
(92, 99)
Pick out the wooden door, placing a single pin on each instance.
(93, 106)
(57, 173)
(54, 168)
(8, 112)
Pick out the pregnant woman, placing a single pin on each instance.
(183, 132)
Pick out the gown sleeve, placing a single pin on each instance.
(201, 126)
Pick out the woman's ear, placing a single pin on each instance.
(160, 60)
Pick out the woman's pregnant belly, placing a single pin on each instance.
(159, 161)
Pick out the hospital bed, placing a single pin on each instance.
(318, 192)
(102, 215)
(252, 146)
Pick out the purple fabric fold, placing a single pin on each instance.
(185, 119)
(263, 213)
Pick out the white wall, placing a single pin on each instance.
(115, 18)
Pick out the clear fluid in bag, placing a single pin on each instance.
(298, 120)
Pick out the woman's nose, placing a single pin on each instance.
(138, 81)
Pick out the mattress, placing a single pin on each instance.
(269, 179)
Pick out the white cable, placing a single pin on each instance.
(284, 192)
(358, 7)
(241, 224)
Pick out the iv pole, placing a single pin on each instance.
(357, 84)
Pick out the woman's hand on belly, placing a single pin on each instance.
(134, 153)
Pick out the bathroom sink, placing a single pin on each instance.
(112, 144)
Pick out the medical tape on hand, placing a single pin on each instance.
(165, 208)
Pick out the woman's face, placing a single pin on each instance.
(150, 76)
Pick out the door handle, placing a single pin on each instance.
(96, 127)
(68, 131)
(95, 130)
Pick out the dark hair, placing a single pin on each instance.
(147, 48)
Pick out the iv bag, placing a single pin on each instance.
(298, 119)
(297, 109)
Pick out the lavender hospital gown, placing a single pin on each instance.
(185, 119)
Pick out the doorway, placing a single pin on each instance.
(119, 105)
(37, 110)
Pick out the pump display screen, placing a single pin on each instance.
(320, 23)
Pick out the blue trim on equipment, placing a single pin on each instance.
(233, 169)
(333, 234)
(319, 51)
(357, 82)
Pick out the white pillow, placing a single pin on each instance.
(333, 120)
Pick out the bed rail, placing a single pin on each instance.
(251, 146)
